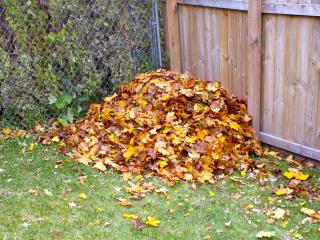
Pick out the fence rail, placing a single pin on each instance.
(300, 9)
(267, 53)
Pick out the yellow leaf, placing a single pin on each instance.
(250, 206)
(301, 176)
(129, 216)
(55, 139)
(124, 202)
(206, 176)
(109, 98)
(31, 146)
(129, 152)
(100, 166)
(308, 211)
(154, 222)
(297, 235)
(283, 191)
(112, 138)
(235, 126)
(289, 175)
(6, 131)
(297, 175)
(163, 164)
(265, 234)
(284, 224)
(126, 176)
(83, 196)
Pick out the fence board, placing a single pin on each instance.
(215, 47)
(173, 34)
(254, 61)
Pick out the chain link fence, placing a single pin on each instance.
(57, 56)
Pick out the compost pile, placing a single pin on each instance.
(167, 124)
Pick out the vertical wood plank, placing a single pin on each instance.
(313, 84)
(267, 72)
(216, 46)
(279, 75)
(254, 61)
(223, 40)
(173, 34)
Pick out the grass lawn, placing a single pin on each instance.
(41, 201)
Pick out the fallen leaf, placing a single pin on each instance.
(138, 224)
(55, 139)
(6, 131)
(283, 191)
(100, 166)
(265, 234)
(129, 216)
(153, 221)
(124, 202)
(31, 146)
(83, 196)
(278, 213)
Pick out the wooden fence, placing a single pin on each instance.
(267, 53)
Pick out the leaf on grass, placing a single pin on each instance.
(296, 175)
(153, 221)
(283, 191)
(31, 146)
(100, 166)
(83, 196)
(55, 139)
(278, 213)
(6, 131)
(138, 224)
(311, 213)
(124, 202)
(129, 216)
(265, 234)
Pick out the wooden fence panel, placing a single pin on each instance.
(290, 78)
(214, 46)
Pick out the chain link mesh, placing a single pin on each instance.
(56, 56)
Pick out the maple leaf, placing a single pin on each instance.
(278, 213)
(6, 131)
(129, 152)
(83, 196)
(100, 166)
(129, 216)
(153, 221)
(124, 202)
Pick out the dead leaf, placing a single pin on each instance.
(265, 234)
(278, 213)
(124, 202)
(83, 196)
(153, 221)
(129, 216)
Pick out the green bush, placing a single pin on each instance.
(57, 56)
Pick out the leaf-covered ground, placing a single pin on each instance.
(43, 195)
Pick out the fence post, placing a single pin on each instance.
(254, 62)
(173, 35)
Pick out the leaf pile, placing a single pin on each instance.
(164, 123)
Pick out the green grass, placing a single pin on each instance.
(184, 213)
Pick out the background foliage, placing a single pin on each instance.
(56, 56)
